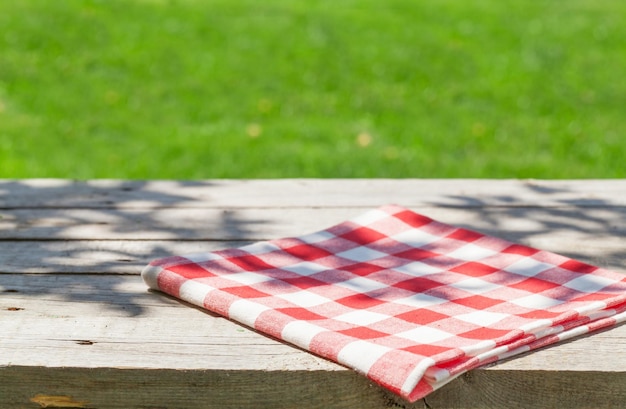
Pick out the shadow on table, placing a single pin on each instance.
(40, 224)
(590, 230)
(54, 227)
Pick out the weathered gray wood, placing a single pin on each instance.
(129, 257)
(267, 223)
(54, 327)
(87, 333)
(62, 240)
(127, 326)
(310, 193)
(94, 256)
(131, 327)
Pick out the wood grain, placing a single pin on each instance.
(125, 322)
(308, 193)
(78, 326)
(532, 389)
(163, 388)
(122, 241)
(265, 223)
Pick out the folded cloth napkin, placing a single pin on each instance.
(406, 300)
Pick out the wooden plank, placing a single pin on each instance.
(296, 389)
(133, 327)
(60, 240)
(166, 224)
(267, 223)
(80, 331)
(144, 342)
(97, 338)
(94, 256)
(115, 388)
(162, 388)
(129, 257)
(531, 389)
(53, 193)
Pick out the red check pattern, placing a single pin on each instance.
(406, 300)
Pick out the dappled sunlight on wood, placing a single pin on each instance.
(71, 253)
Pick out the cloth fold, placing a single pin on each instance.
(408, 301)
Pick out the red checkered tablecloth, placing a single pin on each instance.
(406, 300)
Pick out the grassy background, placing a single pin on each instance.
(299, 88)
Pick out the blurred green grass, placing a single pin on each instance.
(194, 89)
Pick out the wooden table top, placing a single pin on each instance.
(78, 327)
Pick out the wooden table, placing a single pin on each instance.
(79, 329)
